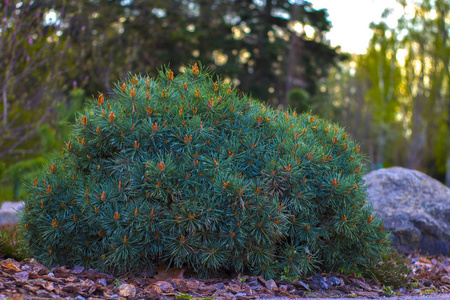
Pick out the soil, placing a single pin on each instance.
(428, 275)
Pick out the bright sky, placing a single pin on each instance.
(351, 19)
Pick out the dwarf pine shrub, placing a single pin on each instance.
(185, 171)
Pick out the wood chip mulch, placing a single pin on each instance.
(31, 280)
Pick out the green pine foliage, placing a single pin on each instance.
(188, 172)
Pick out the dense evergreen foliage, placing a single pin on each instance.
(186, 171)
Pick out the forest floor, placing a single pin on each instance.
(428, 278)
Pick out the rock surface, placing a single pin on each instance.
(414, 206)
(9, 212)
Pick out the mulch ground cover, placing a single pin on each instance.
(31, 280)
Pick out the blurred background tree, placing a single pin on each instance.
(32, 49)
(54, 54)
(396, 97)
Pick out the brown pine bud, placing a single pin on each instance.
(187, 140)
(111, 117)
(155, 127)
(195, 69)
(335, 181)
(210, 103)
(161, 166)
(100, 100)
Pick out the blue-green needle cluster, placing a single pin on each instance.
(186, 171)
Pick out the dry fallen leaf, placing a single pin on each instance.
(11, 265)
(193, 284)
(424, 260)
(77, 269)
(49, 286)
(165, 286)
(445, 279)
(234, 288)
(21, 276)
(164, 272)
(127, 290)
(181, 285)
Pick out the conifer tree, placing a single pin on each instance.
(187, 172)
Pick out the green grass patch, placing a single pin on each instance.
(11, 243)
(392, 272)
(6, 192)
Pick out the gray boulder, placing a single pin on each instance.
(415, 208)
(9, 212)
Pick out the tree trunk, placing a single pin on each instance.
(5, 109)
(447, 166)
(295, 47)
(447, 170)
(444, 30)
